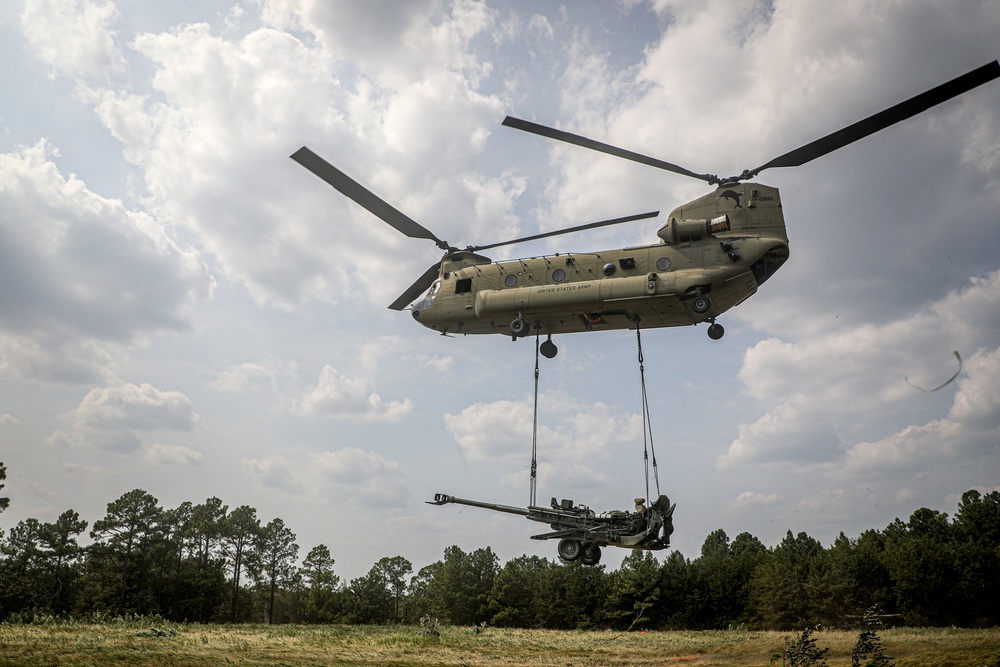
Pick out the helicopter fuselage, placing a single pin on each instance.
(713, 253)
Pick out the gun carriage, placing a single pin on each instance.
(582, 532)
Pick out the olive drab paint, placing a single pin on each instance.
(713, 253)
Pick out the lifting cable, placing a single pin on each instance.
(534, 431)
(647, 427)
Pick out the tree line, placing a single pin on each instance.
(209, 563)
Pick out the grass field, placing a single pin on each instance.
(183, 645)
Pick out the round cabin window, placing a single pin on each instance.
(559, 275)
(510, 280)
(663, 264)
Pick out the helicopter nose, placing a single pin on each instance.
(416, 313)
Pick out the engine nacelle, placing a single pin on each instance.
(688, 231)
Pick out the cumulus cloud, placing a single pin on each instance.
(970, 430)
(338, 396)
(59, 362)
(75, 37)
(977, 402)
(564, 475)
(494, 430)
(274, 472)
(350, 477)
(90, 473)
(112, 417)
(856, 438)
(822, 392)
(796, 430)
(397, 43)
(140, 407)
(335, 394)
(174, 455)
(9, 419)
(443, 365)
(363, 478)
(72, 262)
(754, 499)
(248, 375)
(573, 437)
(223, 105)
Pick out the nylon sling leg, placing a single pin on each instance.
(647, 427)
(534, 432)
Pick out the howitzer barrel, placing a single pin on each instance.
(443, 499)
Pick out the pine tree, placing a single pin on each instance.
(870, 651)
(802, 652)
(4, 502)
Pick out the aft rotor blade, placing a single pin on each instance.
(884, 119)
(417, 288)
(570, 230)
(369, 200)
(560, 135)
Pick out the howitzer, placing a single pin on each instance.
(582, 532)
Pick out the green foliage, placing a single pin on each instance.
(430, 626)
(4, 502)
(395, 570)
(795, 585)
(534, 592)
(59, 548)
(635, 590)
(324, 601)
(204, 563)
(977, 550)
(240, 530)
(273, 560)
(456, 589)
(870, 651)
(803, 652)
(369, 599)
(123, 558)
(516, 599)
(200, 577)
(720, 581)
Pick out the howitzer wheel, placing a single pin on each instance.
(591, 554)
(569, 550)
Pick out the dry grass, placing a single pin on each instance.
(185, 645)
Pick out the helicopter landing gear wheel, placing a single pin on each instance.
(569, 550)
(548, 348)
(591, 554)
(716, 331)
(518, 327)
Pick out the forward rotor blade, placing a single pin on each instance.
(369, 200)
(570, 230)
(883, 119)
(417, 288)
(560, 135)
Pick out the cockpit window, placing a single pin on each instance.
(463, 285)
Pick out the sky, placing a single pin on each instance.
(184, 309)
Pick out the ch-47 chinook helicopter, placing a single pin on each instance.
(712, 254)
